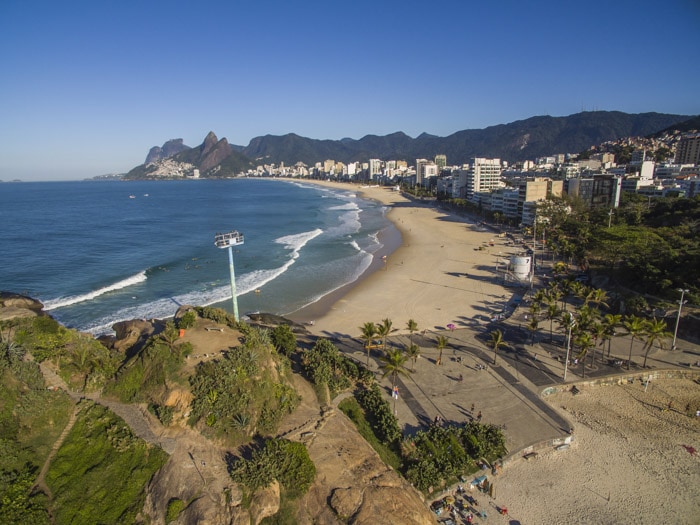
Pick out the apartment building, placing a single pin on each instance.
(688, 149)
(425, 169)
(441, 161)
(597, 191)
(483, 176)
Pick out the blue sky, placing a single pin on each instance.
(88, 87)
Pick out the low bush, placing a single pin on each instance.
(288, 462)
(284, 340)
(379, 413)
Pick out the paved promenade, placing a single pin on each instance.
(508, 394)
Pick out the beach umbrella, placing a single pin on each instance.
(451, 327)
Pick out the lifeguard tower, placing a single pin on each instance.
(229, 240)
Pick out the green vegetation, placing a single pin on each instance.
(31, 419)
(82, 361)
(286, 461)
(144, 376)
(649, 246)
(17, 504)
(175, 507)
(101, 470)
(284, 340)
(352, 409)
(236, 398)
(439, 455)
(220, 316)
(188, 319)
(378, 413)
(495, 342)
(325, 366)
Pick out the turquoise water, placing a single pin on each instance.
(99, 252)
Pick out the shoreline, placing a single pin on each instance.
(391, 241)
(436, 274)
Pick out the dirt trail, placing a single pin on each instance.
(40, 482)
(142, 423)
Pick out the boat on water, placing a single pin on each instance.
(132, 196)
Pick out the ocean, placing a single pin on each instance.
(98, 252)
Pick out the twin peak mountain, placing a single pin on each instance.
(521, 140)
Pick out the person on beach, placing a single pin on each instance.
(478, 416)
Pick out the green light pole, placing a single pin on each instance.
(229, 240)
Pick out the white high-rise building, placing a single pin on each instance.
(375, 168)
(424, 170)
(484, 175)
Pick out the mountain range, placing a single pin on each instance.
(521, 140)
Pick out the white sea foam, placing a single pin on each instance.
(297, 241)
(360, 268)
(60, 302)
(343, 207)
(246, 283)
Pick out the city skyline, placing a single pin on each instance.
(88, 89)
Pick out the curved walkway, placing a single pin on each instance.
(138, 419)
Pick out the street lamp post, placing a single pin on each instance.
(678, 319)
(229, 240)
(571, 324)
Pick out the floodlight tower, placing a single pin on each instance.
(229, 240)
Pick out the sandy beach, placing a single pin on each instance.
(437, 275)
(631, 460)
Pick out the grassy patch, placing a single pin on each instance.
(31, 420)
(352, 409)
(175, 507)
(100, 471)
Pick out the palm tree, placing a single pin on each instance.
(587, 317)
(598, 333)
(533, 326)
(584, 342)
(169, 336)
(496, 342)
(369, 331)
(578, 289)
(413, 353)
(393, 364)
(655, 331)
(551, 314)
(383, 330)
(597, 296)
(610, 322)
(565, 289)
(636, 327)
(412, 326)
(440, 343)
(539, 296)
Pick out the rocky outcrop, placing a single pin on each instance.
(266, 503)
(131, 335)
(214, 151)
(196, 475)
(13, 306)
(352, 484)
(170, 148)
